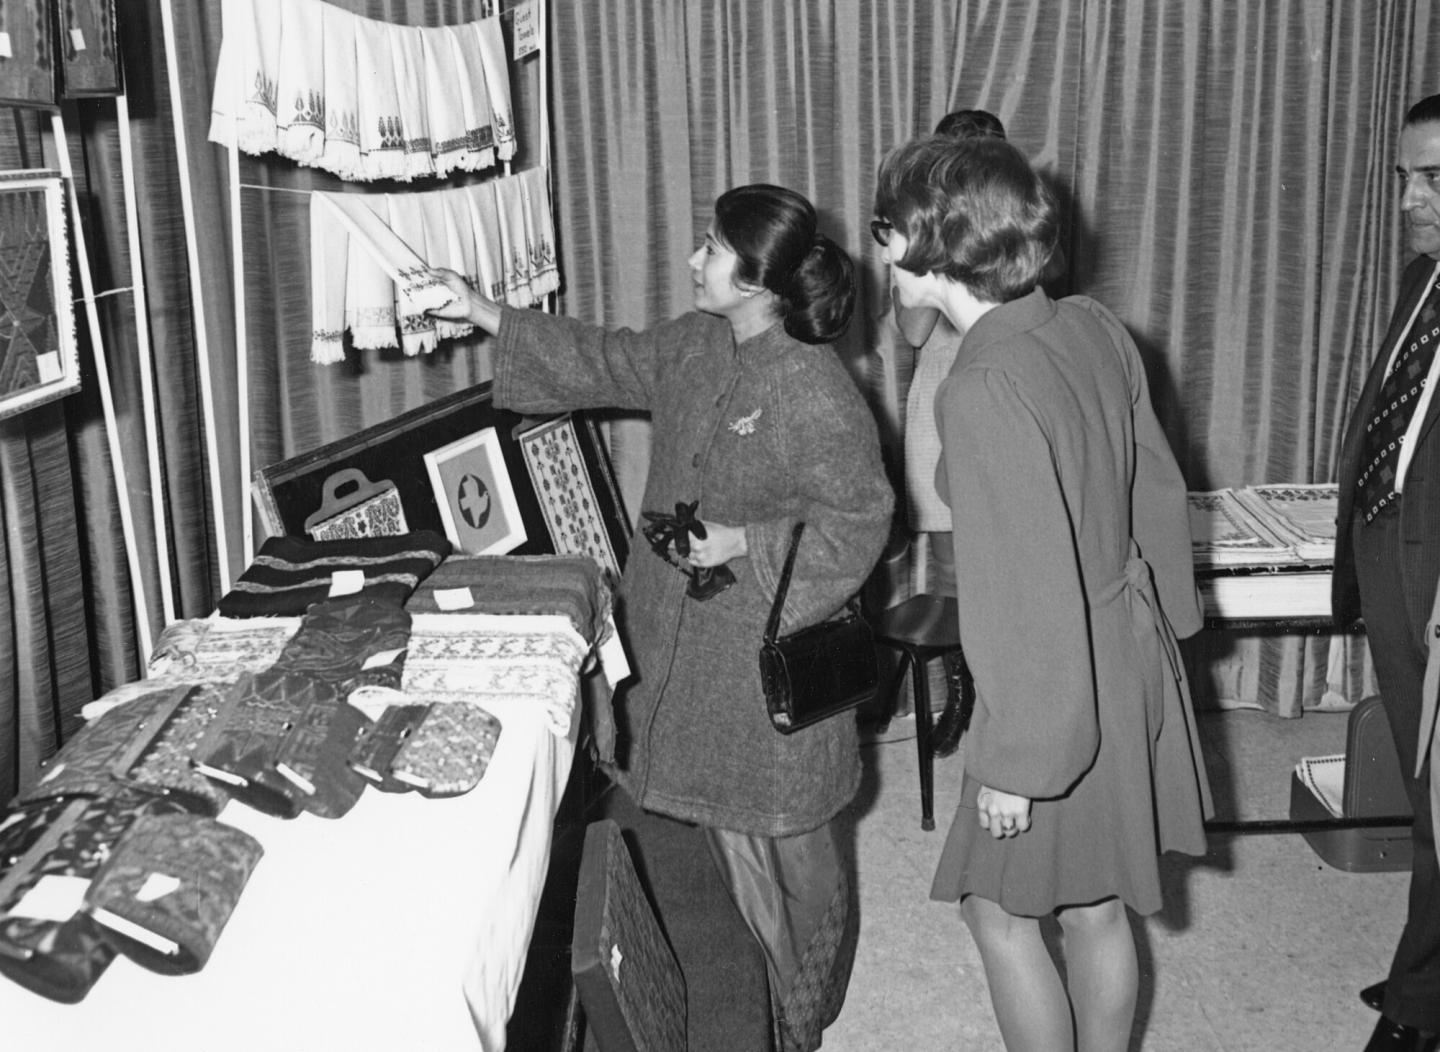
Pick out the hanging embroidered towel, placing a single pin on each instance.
(539, 231)
(300, 82)
(369, 292)
(449, 144)
(459, 220)
(515, 250)
(417, 328)
(329, 275)
(403, 263)
(408, 59)
(243, 112)
(341, 153)
(489, 253)
(445, 241)
(497, 84)
(382, 137)
(474, 95)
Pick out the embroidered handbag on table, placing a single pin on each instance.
(164, 895)
(353, 506)
(50, 851)
(818, 671)
(447, 754)
(374, 751)
(240, 751)
(355, 641)
(314, 753)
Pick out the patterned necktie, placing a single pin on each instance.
(1385, 431)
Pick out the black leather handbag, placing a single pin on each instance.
(812, 674)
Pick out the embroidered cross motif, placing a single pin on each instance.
(746, 424)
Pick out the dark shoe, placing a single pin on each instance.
(1374, 996)
(1390, 1036)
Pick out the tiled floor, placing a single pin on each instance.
(1261, 944)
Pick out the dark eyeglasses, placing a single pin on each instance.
(880, 230)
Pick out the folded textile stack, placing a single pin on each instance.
(289, 574)
(358, 97)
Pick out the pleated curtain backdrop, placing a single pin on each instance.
(1225, 169)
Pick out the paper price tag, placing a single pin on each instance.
(48, 365)
(527, 30)
(157, 886)
(346, 582)
(77, 39)
(383, 657)
(53, 898)
(454, 599)
(5, 50)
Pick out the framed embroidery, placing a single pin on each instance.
(291, 492)
(563, 484)
(27, 55)
(89, 51)
(39, 360)
(475, 496)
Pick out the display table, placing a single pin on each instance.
(401, 926)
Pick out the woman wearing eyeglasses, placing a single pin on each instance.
(755, 417)
(1073, 579)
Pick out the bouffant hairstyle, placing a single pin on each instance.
(772, 232)
(970, 124)
(1426, 111)
(973, 210)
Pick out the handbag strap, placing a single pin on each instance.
(772, 627)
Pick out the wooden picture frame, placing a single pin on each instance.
(39, 357)
(475, 496)
(27, 55)
(290, 492)
(89, 49)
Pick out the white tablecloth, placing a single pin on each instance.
(401, 927)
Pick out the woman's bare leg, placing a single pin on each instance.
(1102, 973)
(1025, 989)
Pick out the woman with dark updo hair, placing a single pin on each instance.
(754, 416)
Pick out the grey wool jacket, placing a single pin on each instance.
(762, 434)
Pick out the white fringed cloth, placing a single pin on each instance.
(358, 97)
(370, 254)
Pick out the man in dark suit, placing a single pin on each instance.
(1387, 561)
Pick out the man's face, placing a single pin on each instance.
(1419, 173)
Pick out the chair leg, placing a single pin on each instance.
(920, 687)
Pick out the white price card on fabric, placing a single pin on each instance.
(53, 898)
(527, 30)
(382, 657)
(77, 39)
(5, 49)
(346, 582)
(449, 599)
(48, 365)
(157, 886)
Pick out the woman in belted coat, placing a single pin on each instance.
(1073, 578)
(755, 417)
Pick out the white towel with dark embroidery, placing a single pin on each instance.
(408, 56)
(329, 257)
(300, 82)
(514, 249)
(474, 96)
(417, 328)
(341, 152)
(447, 242)
(497, 84)
(444, 101)
(382, 145)
(243, 107)
(539, 231)
(489, 253)
(369, 292)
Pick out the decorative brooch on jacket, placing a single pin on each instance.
(669, 537)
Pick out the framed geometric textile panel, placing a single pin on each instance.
(39, 361)
(89, 52)
(27, 54)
